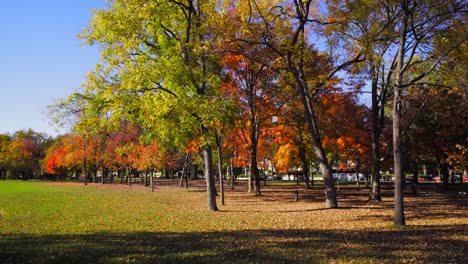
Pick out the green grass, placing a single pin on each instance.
(15, 187)
(40, 223)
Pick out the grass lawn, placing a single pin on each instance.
(44, 222)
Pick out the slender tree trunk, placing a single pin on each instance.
(103, 175)
(184, 170)
(357, 175)
(95, 175)
(399, 212)
(220, 168)
(152, 181)
(232, 173)
(375, 194)
(305, 166)
(248, 173)
(414, 181)
(311, 174)
(186, 179)
(145, 173)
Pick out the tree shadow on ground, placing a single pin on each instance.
(421, 244)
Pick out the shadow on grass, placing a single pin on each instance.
(422, 244)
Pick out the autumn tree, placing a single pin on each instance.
(288, 26)
(252, 88)
(160, 69)
(26, 151)
(5, 141)
(419, 26)
(368, 26)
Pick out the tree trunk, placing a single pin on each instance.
(414, 181)
(220, 168)
(195, 171)
(248, 173)
(305, 166)
(329, 185)
(85, 175)
(210, 181)
(375, 194)
(253, 165)
(145, 173)
(104, 175)
(311, 174)
(95, 175)
(184, 171)
(232, 173)
(399, 212)
(152, 181)
(357, 176)
(186, 179)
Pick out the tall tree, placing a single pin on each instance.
(253, 89)
(287, 30)
(161, 69)
(5, 141)
(419, 25)
(368, 25)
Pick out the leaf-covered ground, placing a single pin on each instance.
(72, 223)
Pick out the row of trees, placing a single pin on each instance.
(22, 154)
(285, 73)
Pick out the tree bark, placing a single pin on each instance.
(184, 171)
(220, 168)
(209, 177)
(231, 167)
(305, 165)
(329, 185)
(375, 194)
(296, 68)
(254, 169)
(399, 213)
(152, 181)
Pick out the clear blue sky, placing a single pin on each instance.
(41, 59)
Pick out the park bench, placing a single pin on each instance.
(409, 182)
(462, 196)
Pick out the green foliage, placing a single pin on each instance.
(159, 70)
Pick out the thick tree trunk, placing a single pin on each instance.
(444, 171)
(329, 185)
(254, 169)
(210, 181)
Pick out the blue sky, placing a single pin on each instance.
(41, 59)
